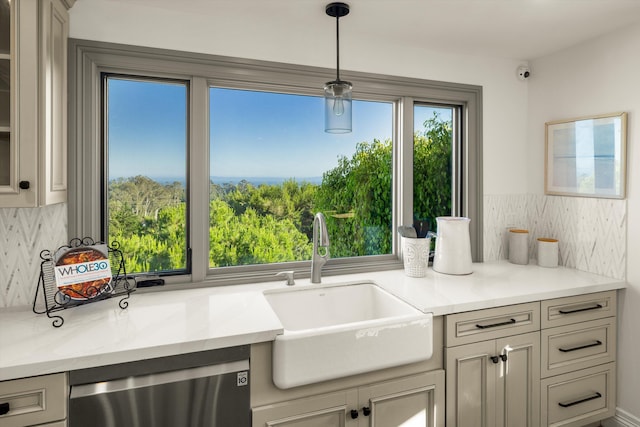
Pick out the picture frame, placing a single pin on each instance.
(587, 156)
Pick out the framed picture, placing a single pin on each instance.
(587, 156)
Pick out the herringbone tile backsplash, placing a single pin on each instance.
(24, 232)
(592, 235)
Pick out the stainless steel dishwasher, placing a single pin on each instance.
(209, 388)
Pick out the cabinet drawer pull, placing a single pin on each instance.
(580, 347)
(4, 408)
(493, 325)
(584, 399)
(578, 310)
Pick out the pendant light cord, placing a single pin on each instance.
(337, 48)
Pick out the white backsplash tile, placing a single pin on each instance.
(24, 233)
(591, 232)
(500, 214)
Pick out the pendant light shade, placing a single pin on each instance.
(337, 107)
(337, 93)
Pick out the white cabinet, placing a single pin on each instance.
(493, 367)
(411, 402)
(547, 363)
(33, 102)
(34, 401)
(578, 359)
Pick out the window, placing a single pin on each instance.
(145, 134)
(433, 165)
(272, 167)
(235, 163)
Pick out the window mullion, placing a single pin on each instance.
(404, 176)
(198, 178)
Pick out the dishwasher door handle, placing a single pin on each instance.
(129, 383)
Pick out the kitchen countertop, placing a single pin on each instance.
(165, 323)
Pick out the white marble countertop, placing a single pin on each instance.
(173, 322)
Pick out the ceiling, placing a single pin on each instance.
(515, 29)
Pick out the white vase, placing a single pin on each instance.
(453, 246)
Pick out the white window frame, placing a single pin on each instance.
(89, 59)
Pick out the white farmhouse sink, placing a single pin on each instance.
(336, 330)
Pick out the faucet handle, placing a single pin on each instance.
(288, 275)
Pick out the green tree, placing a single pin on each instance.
(432, 171)
(251, 238)
(148, 219)
(356, 194)
(356, 198)
(273, 223)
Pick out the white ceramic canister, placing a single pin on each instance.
(547, 252)
(453, 246)
(415, 255)
(518, 246)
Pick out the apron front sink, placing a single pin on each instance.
(336, 330)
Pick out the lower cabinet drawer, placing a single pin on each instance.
(579, 398)
(34, 401)
(491, 323)
(577, 309)
(573, 347)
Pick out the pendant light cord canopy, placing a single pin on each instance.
(337, 93)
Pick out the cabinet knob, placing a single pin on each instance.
(496, 359)
(24, 185)
(366, 411)
(354, 414)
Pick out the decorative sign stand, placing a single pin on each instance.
(79, 273)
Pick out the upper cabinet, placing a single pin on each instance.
(33, 102)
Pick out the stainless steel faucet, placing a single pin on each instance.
(320, 243)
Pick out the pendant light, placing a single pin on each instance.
(337, 93)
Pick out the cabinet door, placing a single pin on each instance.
(518, 388)
(8, 67)
(471, 385)
(33, 131)
(53, 102)
(326, 410)
(407, 402)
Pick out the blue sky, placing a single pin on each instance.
(266, 134)
(253, 134)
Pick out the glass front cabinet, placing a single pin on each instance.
(33, 102)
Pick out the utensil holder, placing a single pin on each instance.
(415, 255)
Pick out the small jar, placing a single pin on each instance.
(547, 252)
(518, 246)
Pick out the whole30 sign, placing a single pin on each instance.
(83, 272)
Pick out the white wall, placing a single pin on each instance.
(595, 78)
(282, 38)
